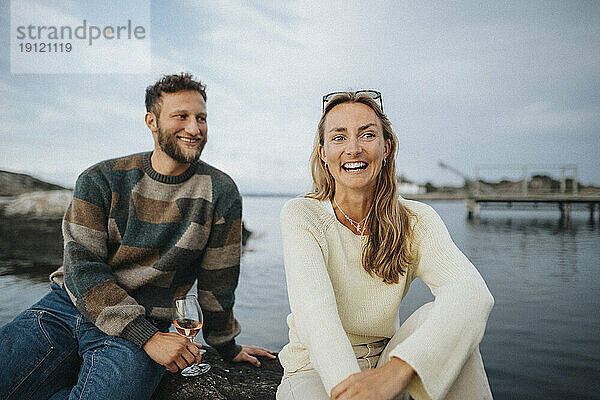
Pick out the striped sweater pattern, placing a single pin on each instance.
(135, 239)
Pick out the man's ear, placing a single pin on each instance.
(151, 121)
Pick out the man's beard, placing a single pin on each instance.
(168, 142)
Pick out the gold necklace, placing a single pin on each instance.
(355, 225)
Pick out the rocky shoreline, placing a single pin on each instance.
(224, 381)
(50, 205)
(39, 204)
(13, 183)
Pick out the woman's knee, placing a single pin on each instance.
(302, 385)
(284, 391)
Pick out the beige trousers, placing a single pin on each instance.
(471, 383)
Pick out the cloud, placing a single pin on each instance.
(166, 64)
(463, 83)
(37, 13)
(544, 117)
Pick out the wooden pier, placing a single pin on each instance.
(530, 189)
(563, 201)
(527, 192)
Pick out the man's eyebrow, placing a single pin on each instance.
(184, 111)
(180, 111)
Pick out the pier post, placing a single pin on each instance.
(561, 208)
(592, 207)
(472, 208)
(524, 182)
(568, 212)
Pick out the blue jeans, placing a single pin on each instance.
(51, 351)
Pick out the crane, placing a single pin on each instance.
(469, 183)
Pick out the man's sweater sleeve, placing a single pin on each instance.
(87, 277)
(312, 298)
(218, 277)
(438, 349)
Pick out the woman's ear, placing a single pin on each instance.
(322, 155)
(388, 148)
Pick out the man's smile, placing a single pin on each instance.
(187, 139)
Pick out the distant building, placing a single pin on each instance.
(405, 186)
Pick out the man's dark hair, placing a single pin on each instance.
(171, 84)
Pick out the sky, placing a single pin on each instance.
(469, 84)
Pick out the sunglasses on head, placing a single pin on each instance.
(374, 94)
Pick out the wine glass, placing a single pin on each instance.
(188, 320)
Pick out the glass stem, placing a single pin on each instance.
(192, 341)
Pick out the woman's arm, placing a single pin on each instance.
(311, 294)
(436, 351)
(455, 324)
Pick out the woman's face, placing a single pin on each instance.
(353, 147)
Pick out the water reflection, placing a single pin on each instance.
(543, 272)
(557, 224)
(541, 340)
(542, 220)
(30, 248)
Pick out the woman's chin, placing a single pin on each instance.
(356, 185)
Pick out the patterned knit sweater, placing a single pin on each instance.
(335, 303)
(135, 239)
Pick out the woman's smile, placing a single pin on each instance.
(355, 166)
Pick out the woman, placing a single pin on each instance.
(351, 248)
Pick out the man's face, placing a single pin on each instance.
(181, 125)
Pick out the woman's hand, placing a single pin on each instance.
(383, 383)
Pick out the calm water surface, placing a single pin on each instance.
(542, 339)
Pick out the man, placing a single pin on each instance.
(138, 233)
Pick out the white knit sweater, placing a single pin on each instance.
(336, 304)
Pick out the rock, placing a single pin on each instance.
(12, 184)
(30, 248)
(245, 234)
(47, 204)
(224, 381)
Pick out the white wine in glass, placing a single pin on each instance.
(188, 320)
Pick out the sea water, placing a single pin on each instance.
(543, 336)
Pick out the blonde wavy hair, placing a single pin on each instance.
(387, 252)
